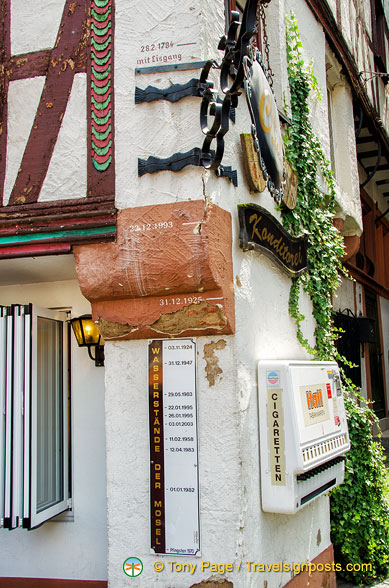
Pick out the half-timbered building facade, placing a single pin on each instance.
(110, 206)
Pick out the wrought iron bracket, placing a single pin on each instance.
(226, 171)
(178, 161)
(172, 94)
(195, 87)
(173, 163)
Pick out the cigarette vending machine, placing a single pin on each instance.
(303, 432)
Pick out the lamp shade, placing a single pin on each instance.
(86, 331)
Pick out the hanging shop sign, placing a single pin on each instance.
(260, 230)
(266, 128)
(174, 488)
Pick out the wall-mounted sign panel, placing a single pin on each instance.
(263, 109)
(174, 488)
(260, 230)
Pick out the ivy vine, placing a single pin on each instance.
(360, 506)
(314, 212)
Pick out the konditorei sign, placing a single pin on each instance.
(260, 230)
(174, 488)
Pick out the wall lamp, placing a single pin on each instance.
(88, 335)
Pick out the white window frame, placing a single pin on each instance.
(3, 363)
(8, 421)
(37, 518)
(19, 417)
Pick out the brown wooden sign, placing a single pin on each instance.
(254, 174)
(290, 191)
(260, 230)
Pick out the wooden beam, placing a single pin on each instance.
(31, 65)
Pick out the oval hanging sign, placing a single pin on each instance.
(264, 114)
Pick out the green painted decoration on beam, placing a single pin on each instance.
(56, 235)
(101, 83)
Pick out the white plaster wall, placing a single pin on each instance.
(75, 549)
(233, 526)
(128, 469)
(275, 25)
(34, 25)
(264, 330)
(347, 176)
(345, 296)
(23, 100)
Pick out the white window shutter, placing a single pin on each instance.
(33, 416)
(48, 484)
(3, 384)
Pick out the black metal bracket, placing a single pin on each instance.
(178, 161)
(172, 94)
(226, 171)
(195, 87)
(173, 163)
(99, 355)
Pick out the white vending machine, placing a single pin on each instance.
(303, 432)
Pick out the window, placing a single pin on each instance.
(34, 416)
(372, 259)
(379, 34)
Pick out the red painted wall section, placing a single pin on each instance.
(168, 274)
(322, 573)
